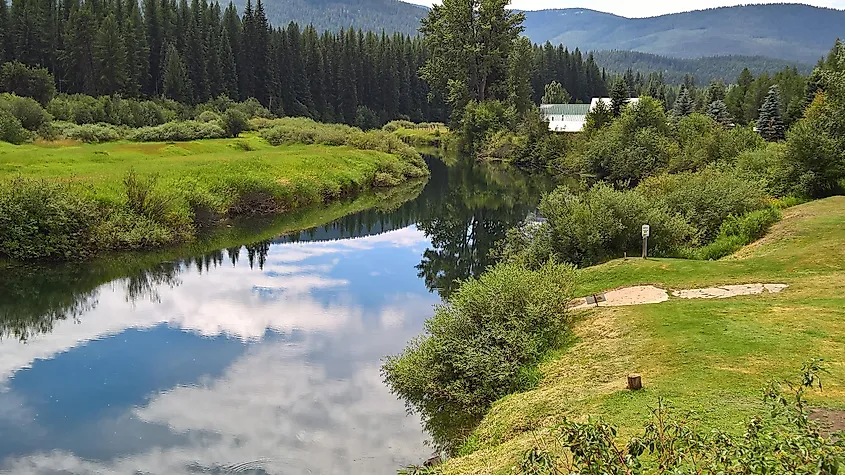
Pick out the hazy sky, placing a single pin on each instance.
(631, 8)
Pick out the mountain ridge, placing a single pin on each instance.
(788, 31)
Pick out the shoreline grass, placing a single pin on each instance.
(72, 281)
(710, 357)
(89, 198)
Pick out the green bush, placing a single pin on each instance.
(88, 133)
(482, 119)
(736, 232)
(208, 116)
(484, 343)
(41, 219)
(178, 132)
(598, 225)
(234, 122)
(22, 80)
(11, 129)
(29, 112)
(704, 199)
(395, 125)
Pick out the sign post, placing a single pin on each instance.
(646, 232)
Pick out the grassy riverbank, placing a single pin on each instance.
(67, 199)
(66, 285)
(707, 356)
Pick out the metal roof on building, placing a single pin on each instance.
(565, 109)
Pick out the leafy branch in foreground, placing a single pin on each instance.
(785, 441)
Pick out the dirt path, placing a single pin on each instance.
(649, 294)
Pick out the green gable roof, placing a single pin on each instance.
(565, 109)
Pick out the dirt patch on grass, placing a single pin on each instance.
(830, 420)
(649, 294)
(57, 143)
(729, 291)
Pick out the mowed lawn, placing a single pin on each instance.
(708, 357)
(306, 173)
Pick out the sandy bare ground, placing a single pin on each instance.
(649, 294)
(729, 291)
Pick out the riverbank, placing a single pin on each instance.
(709, 356)
(66, 200)
(57, 299)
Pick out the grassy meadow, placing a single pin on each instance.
(85, 198)
(711, 358)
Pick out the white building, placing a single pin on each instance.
(572, 117)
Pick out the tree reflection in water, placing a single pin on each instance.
(463, 210)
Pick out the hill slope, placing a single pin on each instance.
(368, 15)
(726, 68)
(787, 31)
(792, 32)
(708, 356)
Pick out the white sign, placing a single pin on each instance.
(646, 230)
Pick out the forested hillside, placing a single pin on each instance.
(786, 31)
(369, 15)
(195, 52)
(723, 68)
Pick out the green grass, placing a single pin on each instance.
(308, 172)
(201, 182)
(427, 137)
(711, 357)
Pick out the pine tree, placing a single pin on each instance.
(715, 92)
(519, 75)
(137, 52)
(683, 104)
(228, 67)
(618, 97)
(5, 48)
(718, 111)
(770, 122)
(81, 67)
(175, 81)
(195, 56)
(554, 93)
(598, 117)
(110, 58)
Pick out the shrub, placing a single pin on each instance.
(11, 129)
(178, 132)
(88, 133)
(29, 112)
(484, 343)
(36, 83)
(395, 125)
(234, 122)
(704, 198)
(736, 232)
(482, 119)
(142, 199)
(41, 219)
(208, 116)
(597, 225)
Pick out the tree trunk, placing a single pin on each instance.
(635, 382)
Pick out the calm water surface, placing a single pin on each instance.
(261, 358)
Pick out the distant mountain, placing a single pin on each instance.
(726, 68)
(792, 32)
(368, 15)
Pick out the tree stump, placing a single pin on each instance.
(635, 382)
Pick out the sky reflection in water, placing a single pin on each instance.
(264, 357)
(228, 366)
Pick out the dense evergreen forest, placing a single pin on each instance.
(193, 52)
(674, 70)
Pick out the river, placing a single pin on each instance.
(244, 358)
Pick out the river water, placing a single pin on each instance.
(258, 358)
